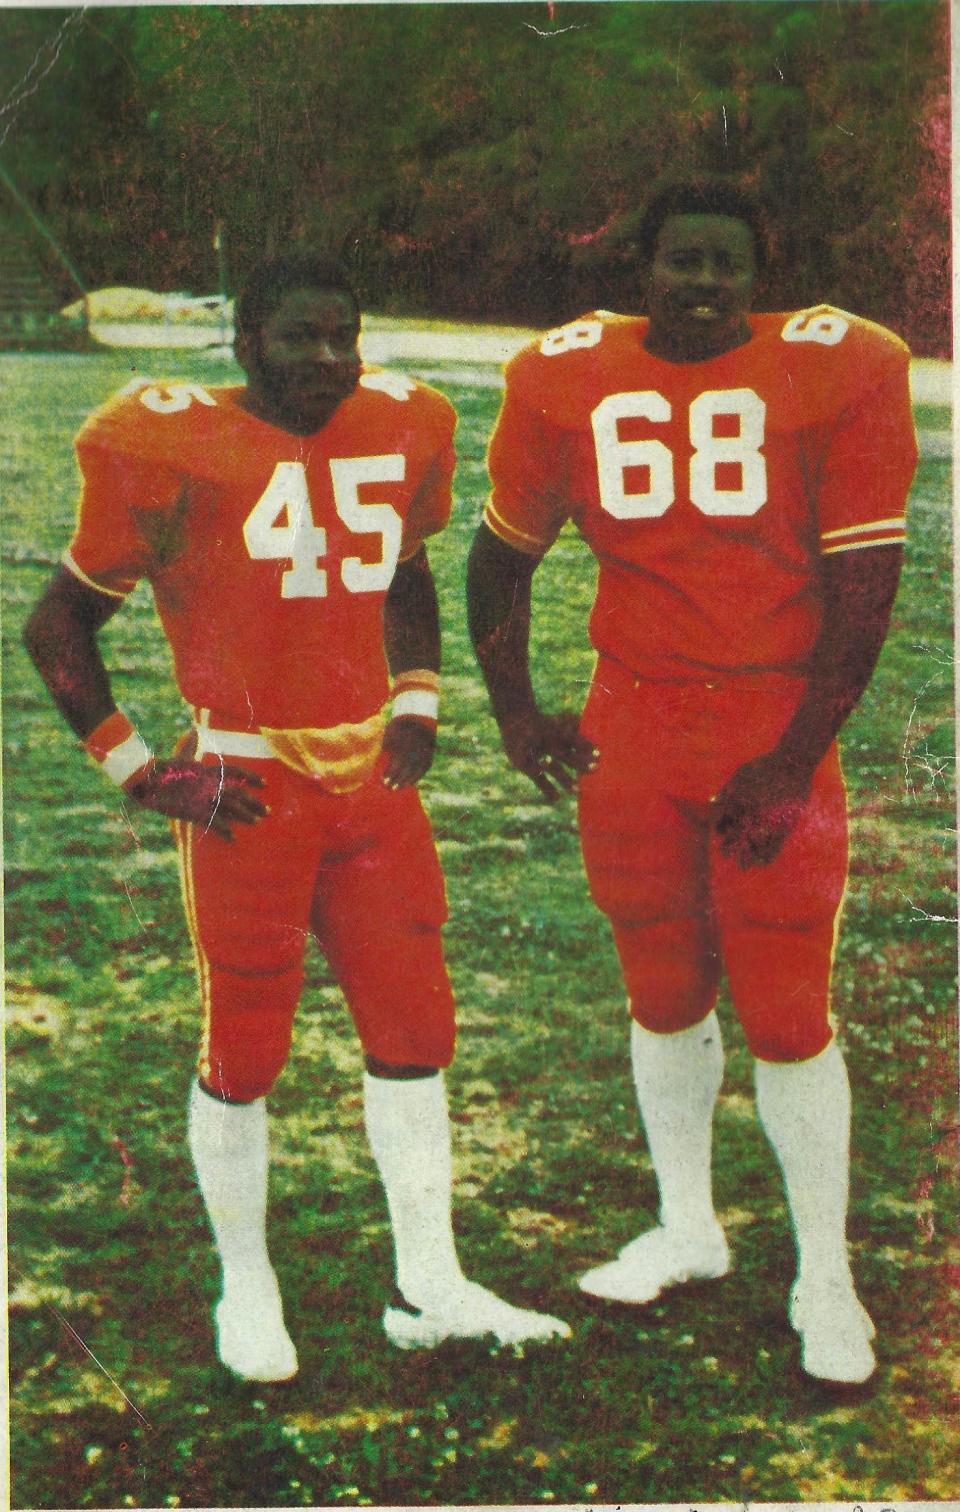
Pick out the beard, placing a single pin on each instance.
(302, 401)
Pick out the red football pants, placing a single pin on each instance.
(360, 873)
(680, 910)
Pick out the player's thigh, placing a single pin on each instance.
(644, 848)
(646, 854)
(378, 913)
(778, 923)
(671, 970)
(248, 909)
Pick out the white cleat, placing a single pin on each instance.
(252, 1339)
(468, 1312)
(835, 1332)
(657, 1260)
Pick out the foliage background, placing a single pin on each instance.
(488, 160)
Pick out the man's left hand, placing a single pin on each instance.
(756, 810)
(409, 744)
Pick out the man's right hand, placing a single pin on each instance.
(215, 797)
(549, 749)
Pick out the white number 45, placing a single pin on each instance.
(281, 525)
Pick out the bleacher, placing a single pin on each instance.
(30, 298)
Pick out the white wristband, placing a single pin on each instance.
(418, 701)
(117, 748)
(125, 759)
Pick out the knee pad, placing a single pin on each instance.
(780, 985)
(671, 970)
(247, 1033)
(786, 1037)
(401, 1001)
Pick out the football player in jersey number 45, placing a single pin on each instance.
(742, 481)
(281, 526)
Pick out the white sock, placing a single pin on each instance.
(678, 1077)
(228, 1142)
(409, 1132)
(804, 1108)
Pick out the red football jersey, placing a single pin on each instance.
(707, 490)
(269, 554)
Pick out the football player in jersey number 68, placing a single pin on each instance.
(742, 480)
(281, 526)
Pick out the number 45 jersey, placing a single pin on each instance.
(269, 554)
(707, 490)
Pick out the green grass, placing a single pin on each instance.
(116, 1398)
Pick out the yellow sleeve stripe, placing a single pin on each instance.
(894, 540)
(417, 677)
(78, 572)
(509, 533)
(849, 530)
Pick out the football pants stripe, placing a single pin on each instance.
(183, 833)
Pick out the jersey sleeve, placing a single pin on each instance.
(108, 550)
(430, 507)
(527, 506)
(869, 465)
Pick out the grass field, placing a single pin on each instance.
(116, 1398)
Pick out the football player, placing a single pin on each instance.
(281, 525)
(742, 480)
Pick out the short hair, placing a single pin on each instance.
(703, 194)
(273, 278)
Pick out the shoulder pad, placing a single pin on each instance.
(153, 420)
(143, 398)
(826, 326)
(412, 402)
(557, 374)
(576, 337)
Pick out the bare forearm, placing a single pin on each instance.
(498, 607)
(859, 590)
(411, 618)
(547, 748)
(757, 809)
(61, 637)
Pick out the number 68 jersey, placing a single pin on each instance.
(269, 554)
(707, 490)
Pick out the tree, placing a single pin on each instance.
(487, 160)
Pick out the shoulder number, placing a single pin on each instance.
(823, 325)
(280, 526)
(571, 338)
(168, 398)
(396, 385)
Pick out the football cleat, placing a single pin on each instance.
(657, 1260)
(252, 1339)
(835, 1332)
(468, 1311)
